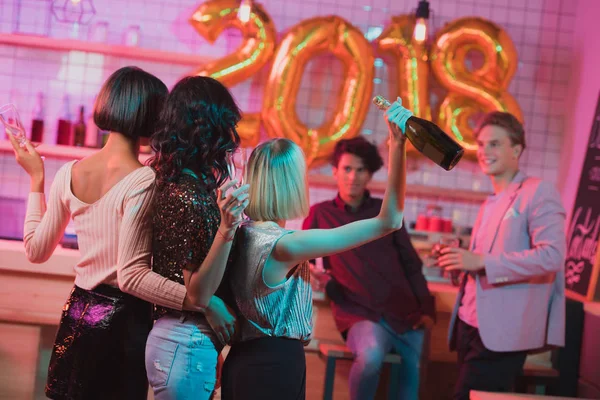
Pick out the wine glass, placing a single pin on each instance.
(443, 242)
(10, 120)
(236, 165)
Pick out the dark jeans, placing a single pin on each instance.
(269, 368)
(483, 369)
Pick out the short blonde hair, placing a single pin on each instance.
(276, 173)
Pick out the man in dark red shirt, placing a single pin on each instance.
(379, 296)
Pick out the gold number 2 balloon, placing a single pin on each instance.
(256, 49)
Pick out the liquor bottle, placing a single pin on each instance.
(102, 138)
(91, 132)
(429, 139)
(145, 147)
(37, 120)
(64, 132)
(79, 129)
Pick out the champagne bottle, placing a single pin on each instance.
(79, 129)
(429, 139)
(91, 132)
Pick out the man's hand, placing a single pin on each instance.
(221, 319)
(318, 278)
(454, 258)
(425, 322)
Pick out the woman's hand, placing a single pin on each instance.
(232, 206)
(31, 161)
(221, 319)
(396, 117)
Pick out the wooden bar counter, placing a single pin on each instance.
(32, 296)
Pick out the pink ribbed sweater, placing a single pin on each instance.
(114, 235)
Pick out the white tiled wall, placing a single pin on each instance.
(541, 29)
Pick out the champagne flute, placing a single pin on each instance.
(10, 120)
(236, 165)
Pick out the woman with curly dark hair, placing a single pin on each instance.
(193, 227)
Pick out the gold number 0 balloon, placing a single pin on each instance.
(481, 90)
(303, 41)
(256, 49)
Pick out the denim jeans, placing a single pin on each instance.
(181, 359)
(370, 342)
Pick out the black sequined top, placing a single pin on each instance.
(186, 219)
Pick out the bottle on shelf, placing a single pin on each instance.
(91, 132)
(64, 132)
(145, 146)
(79, 129)
(429, 139)
(102, 138)
(37, 120)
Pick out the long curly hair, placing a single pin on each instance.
(196, 130)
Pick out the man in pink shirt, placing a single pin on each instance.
(511, 299)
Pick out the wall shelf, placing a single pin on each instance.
(137, 53)
(436, 192)
(61, 152)
(69, 152)
(315, 180)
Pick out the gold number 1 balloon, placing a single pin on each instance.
(411, 58)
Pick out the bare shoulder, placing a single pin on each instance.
(110, 168)
(90, 163)
(284, 245)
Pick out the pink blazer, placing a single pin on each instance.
(521, 292)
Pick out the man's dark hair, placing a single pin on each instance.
(360, 147)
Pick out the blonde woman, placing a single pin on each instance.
(269, 276)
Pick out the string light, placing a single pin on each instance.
(422, 21)
(244, 11)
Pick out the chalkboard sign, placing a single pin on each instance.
(583, 231)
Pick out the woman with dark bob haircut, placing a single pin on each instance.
(99, 347)
(193, 227)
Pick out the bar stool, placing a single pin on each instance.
(331, 353)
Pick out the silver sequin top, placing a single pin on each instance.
(281, 311)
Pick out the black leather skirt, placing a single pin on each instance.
(99, 348)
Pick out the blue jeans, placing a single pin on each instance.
(181, 359)
(370, 342)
